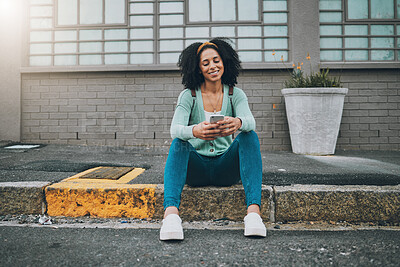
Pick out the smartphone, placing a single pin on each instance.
(215, 118)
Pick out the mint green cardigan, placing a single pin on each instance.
(182, 128)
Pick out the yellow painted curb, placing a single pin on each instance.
(75, 197)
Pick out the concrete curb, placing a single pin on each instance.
(337, 203)
(279, 203)
(22, 197)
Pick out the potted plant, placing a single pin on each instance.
(314, 106)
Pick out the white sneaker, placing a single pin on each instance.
(254, 226)
(171, 228)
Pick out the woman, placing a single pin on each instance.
(203, 153)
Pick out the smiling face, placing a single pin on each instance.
(211, 65)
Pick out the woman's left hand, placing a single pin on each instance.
(229, 125)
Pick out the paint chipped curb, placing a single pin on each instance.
(280, 203)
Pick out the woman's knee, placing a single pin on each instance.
(251, 137)
(179, 145)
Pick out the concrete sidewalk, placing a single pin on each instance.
(349, 186)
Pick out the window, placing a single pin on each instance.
(136, 32)
(361, 30)
(372, 9)
(223, 10)
(90, 12)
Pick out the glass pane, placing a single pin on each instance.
(357, 9)
(171, 45)
(330, 30)
(116, 59)
(142, 8)
(331, 55)
(171, 19)
(141, 58)
(40, 61)
(65, 36)
(330, 17)
(249, 31)
(382, 55)
(41, 23)
(382, 29)
(142, 46)
(272, 5)
(40, 36)
(382, 9)
(114, 11)
(398, 29)
(142, 33)
(398, 16)
(171, 33)
(382, 42)
(169, 58)
(398, 43)
(199, 10)
(269, 57)
(275, 18)
(197, 32)
(223, 31)
(249, 44)
(116, 46)
(253, 56)
(64, 60)
(223, 10)
(330, 4)
(248, 9)
(115, 34)
(40, 49)
(189, 42)
(356, 30)
(38, 2)
(141, 20)
(88, 35)
(356, 42)
(65, 48)
(91, 12)
(92, 47)
(360, 55)
(41, 11)
(67, 12)
(275, 43)
(331, 42)
(171, 7)
(90, 60)
(275, 31)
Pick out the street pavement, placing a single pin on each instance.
(132, 242)
(88, 245)
(53, 163)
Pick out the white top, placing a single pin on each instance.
(208, 114)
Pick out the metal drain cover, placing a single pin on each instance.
(112, 173)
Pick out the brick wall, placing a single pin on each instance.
(136, 108)
(371, 115)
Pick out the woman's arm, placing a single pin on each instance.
(180, 122)
(243, 112)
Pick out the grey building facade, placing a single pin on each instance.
(102, 72)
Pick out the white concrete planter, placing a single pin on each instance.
(314, 116)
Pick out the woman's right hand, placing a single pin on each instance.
(206, 131)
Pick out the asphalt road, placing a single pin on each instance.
(55, 162)
(45, 246)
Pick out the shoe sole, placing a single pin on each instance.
(255, 232)
(171, 236)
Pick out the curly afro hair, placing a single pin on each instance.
(189, 63)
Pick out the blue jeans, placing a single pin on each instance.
(242, 160)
